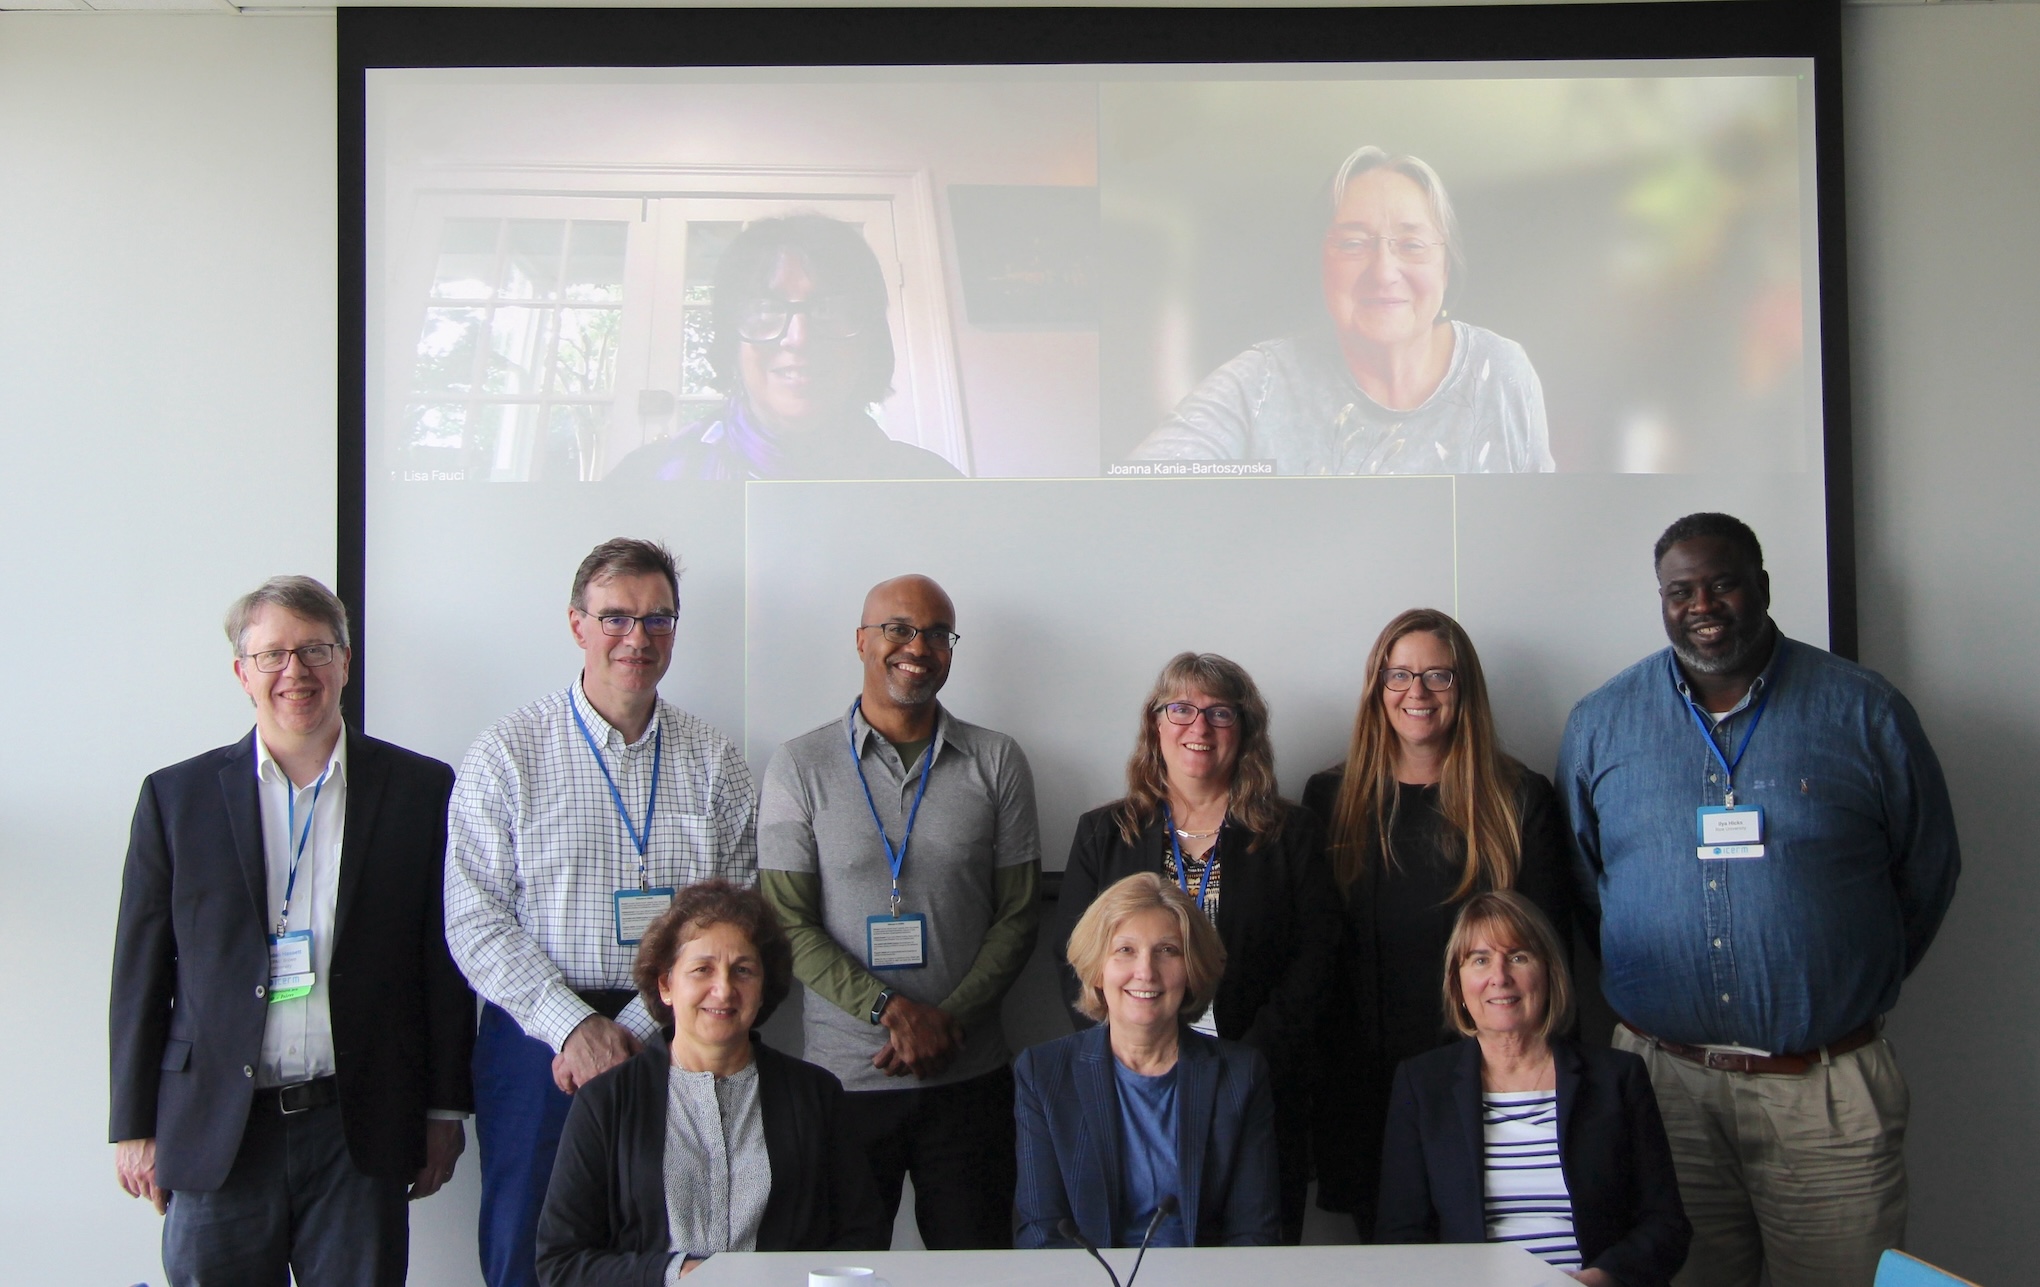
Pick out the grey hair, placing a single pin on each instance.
(301, 596)
(1417, 171)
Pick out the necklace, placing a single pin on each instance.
(1195, 835)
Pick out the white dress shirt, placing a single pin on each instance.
(297, 1036)
(536, 851)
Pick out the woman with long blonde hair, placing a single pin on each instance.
(1426, 812)
(1201, 811)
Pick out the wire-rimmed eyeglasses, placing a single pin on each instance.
(1396, 679)
(620, 624)
(271, 660)
(1407, 250)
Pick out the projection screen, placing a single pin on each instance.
(1080, 319)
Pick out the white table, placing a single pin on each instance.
(1471, 1265)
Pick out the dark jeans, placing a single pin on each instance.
(957, 1142)
(293, 1205)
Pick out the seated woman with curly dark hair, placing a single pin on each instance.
(706, 1140)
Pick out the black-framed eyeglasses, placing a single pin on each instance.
(1396, 679)
(1407, 250)
(1218, 714)
(834, 317)
(271, 660)
(939, 638)
(621, 624)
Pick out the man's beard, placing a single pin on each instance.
(917, 692)
(1747, 649)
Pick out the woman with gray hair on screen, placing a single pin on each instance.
(1394, 384)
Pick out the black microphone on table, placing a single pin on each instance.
(1167, 1207)
(1068, 1229)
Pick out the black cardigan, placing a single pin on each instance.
(1611, 1146)
(604, 1220)
(1352, 1038)
(1277, 916)
(1544, 877)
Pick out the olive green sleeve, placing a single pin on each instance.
(1008, 942)
(819, 962)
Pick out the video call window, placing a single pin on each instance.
(538, 333)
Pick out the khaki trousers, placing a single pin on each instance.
(1803, 1176)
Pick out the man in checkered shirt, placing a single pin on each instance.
(572, 824)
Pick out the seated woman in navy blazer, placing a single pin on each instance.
(706, 1140)
(1518, 1135)
(1116, 1119)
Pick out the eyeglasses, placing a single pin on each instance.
(271, 660)
(618, 624)
(835, 317)
(1218, 715)
(1408, 250)
(900, 632)
(1397, 680)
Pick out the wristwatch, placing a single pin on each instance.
(878, 1007)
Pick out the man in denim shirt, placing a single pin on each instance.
(1766, 837)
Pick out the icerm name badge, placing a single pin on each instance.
(1731, 831)
(636, 909)
(896, 942)
(290, 966)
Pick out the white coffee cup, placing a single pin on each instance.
(845, 1277)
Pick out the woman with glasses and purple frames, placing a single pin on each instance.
(1393, 384)
(802, 347)
(1201, 810)
(1426, 812)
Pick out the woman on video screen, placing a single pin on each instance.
(1395, 385)
(801, 341)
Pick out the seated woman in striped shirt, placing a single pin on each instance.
(1519, 1135)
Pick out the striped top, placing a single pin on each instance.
(1527, 1201)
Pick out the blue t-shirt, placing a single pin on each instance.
(1147, 1157)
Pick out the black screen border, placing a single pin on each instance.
(481, 37)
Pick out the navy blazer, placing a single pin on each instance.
(604, 1222)
(1627, 1215)
(191, 953)
(1066, 1106)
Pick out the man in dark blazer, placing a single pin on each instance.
(289, 1037)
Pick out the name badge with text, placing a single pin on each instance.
(1731, 831)
(636, 909)
(290, 966)
(896, 942)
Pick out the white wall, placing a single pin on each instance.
(167, 346)
(167, 233)
(1944, 209)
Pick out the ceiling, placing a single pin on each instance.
(262, 7)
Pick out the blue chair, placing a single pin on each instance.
(1896, 1269)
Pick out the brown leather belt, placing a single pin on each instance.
(1786, 1065)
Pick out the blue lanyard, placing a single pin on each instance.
(1210, 858)
(1728, 766)
(291, 829)
(643, 840)
(894, 858)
